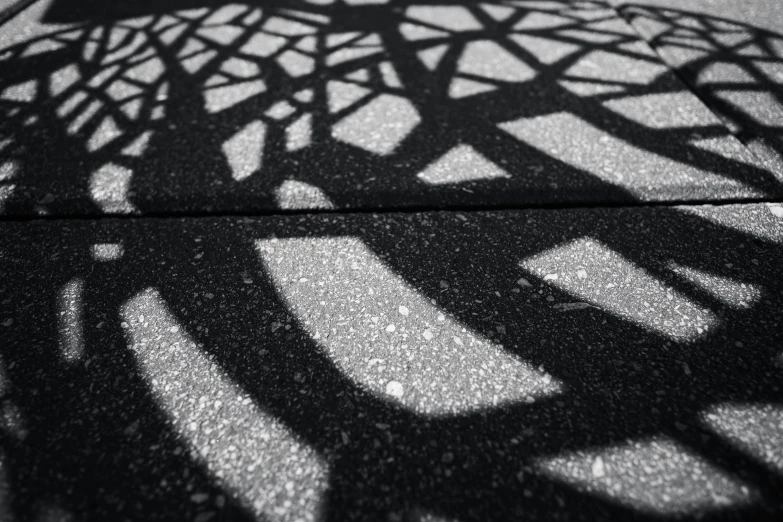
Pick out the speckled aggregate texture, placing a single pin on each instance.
(190, 107)
(731, 54)
(619, 364)
(286, 261)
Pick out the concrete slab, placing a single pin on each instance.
(575, 364)
(9, 8)
(731, 53)
(194, 107)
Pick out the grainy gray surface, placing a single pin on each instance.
(545, 364)
(192, 107)
(469, 365)
(731, 54)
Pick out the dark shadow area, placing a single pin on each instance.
(737, 69)
(98, 446)
(89, 438)
(269, 106)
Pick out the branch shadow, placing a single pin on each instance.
(734, 67)
(95, 437)
(267, 107)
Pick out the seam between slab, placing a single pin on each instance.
(19, 6)
(414, 209)
(681, 77)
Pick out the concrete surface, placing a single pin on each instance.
(545, 364)
(731, 54)
(229, 289)
(199, 107)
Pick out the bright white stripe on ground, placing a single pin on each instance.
(387, 337)
(251, 453)
(592, 272)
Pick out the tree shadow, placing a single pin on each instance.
(95, 437)
(245, 108)
(734, 67)
(614, 397)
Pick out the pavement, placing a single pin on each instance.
(391, 261)
(730, 53)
